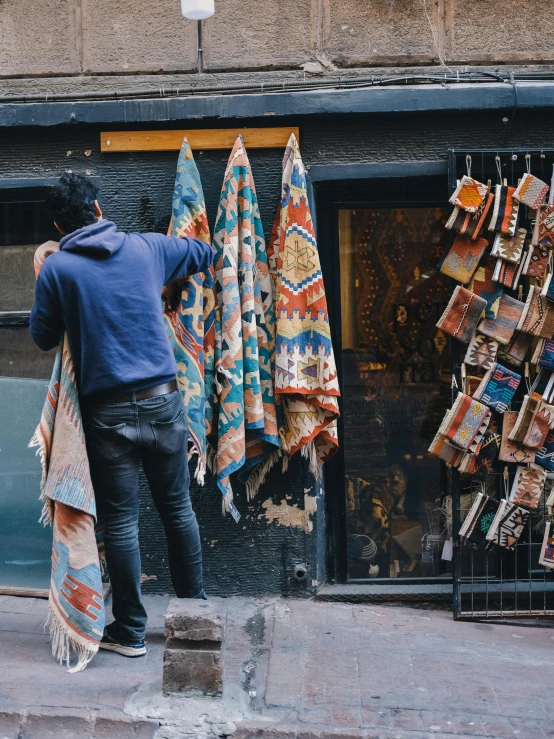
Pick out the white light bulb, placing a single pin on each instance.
(197, 10)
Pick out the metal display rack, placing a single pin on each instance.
(499, 583)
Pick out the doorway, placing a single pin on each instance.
(380, 246)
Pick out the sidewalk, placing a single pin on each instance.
(293, 670)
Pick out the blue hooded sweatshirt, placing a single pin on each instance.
(104, 288)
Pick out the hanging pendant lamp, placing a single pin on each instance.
(197, 10)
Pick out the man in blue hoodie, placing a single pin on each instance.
(104, 288)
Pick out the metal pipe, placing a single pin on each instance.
(275, 87)
(200, 49)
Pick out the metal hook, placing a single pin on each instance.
(468, 165)
(528, 163)
(498, 168)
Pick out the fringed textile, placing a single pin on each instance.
(247, 432)
(306, 384)
(190, 310)
(76, 606)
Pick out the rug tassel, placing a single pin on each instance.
(47, 513)
(63, 644)
(260, 472)
(211, 460)
(226, 500)
(309, 452)
(200, 472)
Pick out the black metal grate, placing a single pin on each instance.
(500, 583)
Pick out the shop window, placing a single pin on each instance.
(25, 223)
(396, 387)
(24, 372)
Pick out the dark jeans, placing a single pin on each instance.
(119, 437)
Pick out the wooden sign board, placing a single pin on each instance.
(199, 139)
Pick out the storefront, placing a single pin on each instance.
(380, 187)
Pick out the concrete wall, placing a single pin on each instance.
(90, 37)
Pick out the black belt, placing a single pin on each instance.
(149, 392)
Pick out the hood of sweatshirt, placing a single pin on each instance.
(98, 239)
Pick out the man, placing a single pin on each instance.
(103, 287)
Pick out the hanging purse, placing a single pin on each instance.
(544, 354)
(469, 194)
(478, 521)
(537, 317)
(508, 273)
(498, 387)
(462, 314)
(480, 464)
(508, 525)
(545, 455)
(466, 420)
(536, 263)
(546, 558)
(482, 351)
(534, 421)
(483, 285)
(543, 232)
(548, 288)
(516, 351)
(513, 451)
(503, 326)
(444, 450)
(528, 486)
(470, 224)
(509, 248)
(531, 191)
(505, 211)
(463, 258)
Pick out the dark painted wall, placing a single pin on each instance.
(257, 555)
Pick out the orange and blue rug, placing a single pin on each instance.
(76, 605)
(190, 320)
(306, 383)
(247, 432)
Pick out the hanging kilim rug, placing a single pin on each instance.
(76, 606)
(190, 312)
(247, 433)
(305, 374)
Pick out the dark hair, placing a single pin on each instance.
(72, 202)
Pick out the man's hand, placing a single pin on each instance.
(171, 295)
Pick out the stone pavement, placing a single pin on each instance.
(293, 670)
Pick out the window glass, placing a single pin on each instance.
(25, 224)
(396, 388)
(25, 544)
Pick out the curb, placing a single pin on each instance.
(68, 723)
(263, 730)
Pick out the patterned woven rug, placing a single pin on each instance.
(306, 382)
(190, 310)
(76, 604)
(247, 433)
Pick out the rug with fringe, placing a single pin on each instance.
(247, 431)
(76, 605)
(190, 309)
(306, 384)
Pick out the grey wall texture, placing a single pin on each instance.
(284, 526)
(95, 37)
